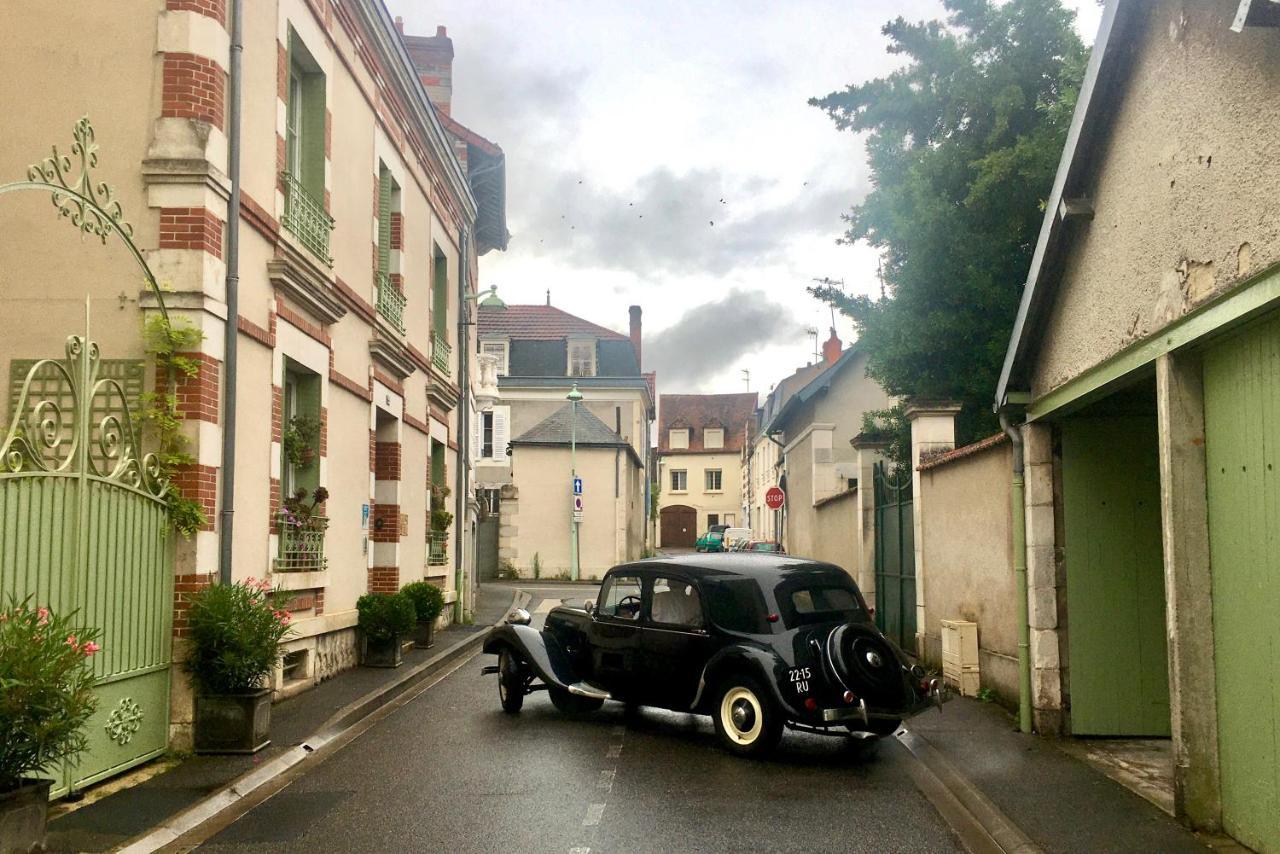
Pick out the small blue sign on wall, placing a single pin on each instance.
(577, 486)
(364, 517)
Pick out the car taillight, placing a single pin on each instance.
(848, 697)
(773, 618)
(811, 704)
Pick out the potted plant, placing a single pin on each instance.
(236, 631)
(46, 698)
(299, 439)
(383, 619)
(428, 602)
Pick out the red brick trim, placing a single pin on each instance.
(282, 162)
(387, 461)
(324, 431)
(452, 445)
(397, 230)
(306, 327)
(319, 601)
(351, 385)
(421, 426)
(183, 587)
(282, 71)
(198, 396)
(267, 338)
(200, 483)
(216, 9)
(193, 88)
(191, 228)
(384, 579)
(389, 515)
(354, 301)
(258, 218)
(388, 381)
(438, 414)
(277, 414)
(274, 504)
(373, 450)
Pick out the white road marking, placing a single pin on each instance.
(545, 606)
(606, 779)
(594, 812)
(614, 751)
(581, 849)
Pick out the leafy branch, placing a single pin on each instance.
(166, 341)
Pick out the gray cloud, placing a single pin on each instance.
(710, 338)
(674, 223)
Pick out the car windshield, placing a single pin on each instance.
(764, 547)
(806, 602)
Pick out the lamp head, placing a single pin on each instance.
(574, 394)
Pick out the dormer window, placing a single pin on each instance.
(582, 357)
(499, 350)
(713, 438)
(678, 439)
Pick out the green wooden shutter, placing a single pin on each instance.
(384, 220)
(440, 296)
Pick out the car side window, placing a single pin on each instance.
(621, 598)
(676, 603)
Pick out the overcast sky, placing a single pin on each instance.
(663, 154)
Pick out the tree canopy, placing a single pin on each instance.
(962, 142)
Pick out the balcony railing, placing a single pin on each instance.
(440, 353)
(391, 302)
(301, 544)
(437, 548)
(306, 218)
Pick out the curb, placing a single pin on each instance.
(329, 734)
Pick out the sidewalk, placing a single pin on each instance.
(116, 818)
(1061, 803)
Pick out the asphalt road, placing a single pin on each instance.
(451, 772)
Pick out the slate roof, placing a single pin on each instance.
(538, 323)
(820, 384)
(558, 429)
(700, 411)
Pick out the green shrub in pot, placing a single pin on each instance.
(428, 602)
(383, 619)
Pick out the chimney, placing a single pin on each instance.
(400, 25)
(433, 60)
(831, 348)
(635, 332)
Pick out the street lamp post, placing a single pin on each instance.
(574, 397)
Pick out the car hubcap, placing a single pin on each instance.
(741, 716)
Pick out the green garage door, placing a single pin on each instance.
(1242, 427)
(1118, 653)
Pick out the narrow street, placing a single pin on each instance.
(451, 772)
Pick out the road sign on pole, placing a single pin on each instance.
(577, 486)
(774, 498)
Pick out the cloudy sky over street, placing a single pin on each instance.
(663, 154)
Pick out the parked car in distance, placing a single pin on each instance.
(720, 528)
(767, 546)
(736, 538)
(711, 541)
(758, 642)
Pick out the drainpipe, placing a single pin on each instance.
(464, 425)
(1020, 573)
(229, 360)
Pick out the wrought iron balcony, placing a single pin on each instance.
(301, 543)
(306, 218)
(440, 353)
(391, 301)
(437, 548)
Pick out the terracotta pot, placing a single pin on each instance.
(381, 653)
(308, 456)
(424, 637)
(232, 723)
(24, 814)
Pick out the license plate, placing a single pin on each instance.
(799, 677)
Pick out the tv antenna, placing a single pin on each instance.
(812, 332)
(746, 378)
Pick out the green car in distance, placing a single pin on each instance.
(711, 541)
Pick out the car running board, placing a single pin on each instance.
(586, 689)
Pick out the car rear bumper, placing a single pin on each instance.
(861, 713)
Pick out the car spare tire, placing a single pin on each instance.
(867, 665)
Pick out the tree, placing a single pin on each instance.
(962, 143)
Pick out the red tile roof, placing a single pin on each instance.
(539, 323)
(466, 134)
(700, 411)
(942, 459)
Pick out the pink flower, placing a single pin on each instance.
(71, 641)
(90, 648)
(264, 585)
(44, 616)
(285, 619)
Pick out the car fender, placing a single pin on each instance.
(761, 663)
(544, 654)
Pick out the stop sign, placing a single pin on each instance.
(774, 498)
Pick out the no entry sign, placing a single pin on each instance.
(774, 498)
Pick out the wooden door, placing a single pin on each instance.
(679, 526)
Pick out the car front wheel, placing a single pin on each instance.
(747, 720)
(510, 682)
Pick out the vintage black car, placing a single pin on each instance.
(757, 641)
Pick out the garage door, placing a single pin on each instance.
(679, 526)
(1242, 427)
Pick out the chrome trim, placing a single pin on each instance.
(829, 661)
(835, 715)
(519, 617)
(582, 689)
(701, 633)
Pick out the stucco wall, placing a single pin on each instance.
(967, 546)
(728, 501)
(1184, 192)
(837, 519)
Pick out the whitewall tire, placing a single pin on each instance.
(747, 720)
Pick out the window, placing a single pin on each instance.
(809, 602)
(679, 480)
(303, 178)
(678, 439)
(736, 605)
(300, 442)
(491, 434)
(714, 480)
(497, 349)
(713, 519)
(582, 358)
(676, 603)
(728, 519)
(486, 435)
(713, 437)
(620, 598)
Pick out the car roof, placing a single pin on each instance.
(765, 567)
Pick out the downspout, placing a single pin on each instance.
(229, 358)
(1020, 573)
(464, 427)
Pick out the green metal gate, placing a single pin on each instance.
(895, 557)
(1242, 435)
(83, 528)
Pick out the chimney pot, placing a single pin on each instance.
(441, 32)
(832, 348)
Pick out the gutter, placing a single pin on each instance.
(230, 355)
(464, 426)
(1019, 526)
